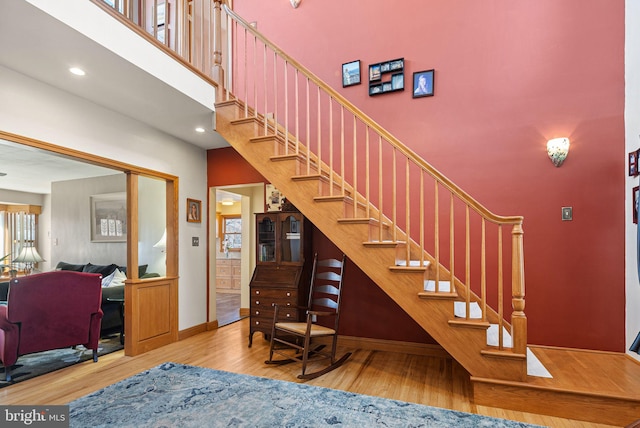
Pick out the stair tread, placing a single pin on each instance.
(438, 295)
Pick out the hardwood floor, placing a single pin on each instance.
(433, 381)
(227, 308)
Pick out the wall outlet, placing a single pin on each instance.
(195, 241)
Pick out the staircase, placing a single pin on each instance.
(341, 216)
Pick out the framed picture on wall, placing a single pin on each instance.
(633, 163)
(375, 72)
(194, 211)
(273, 198)
(109, 217)
(636, 198)
(351, 73)
(423, 83)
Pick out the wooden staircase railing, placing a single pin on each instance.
(425, 223)
(385, 179)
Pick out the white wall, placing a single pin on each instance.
(632, 125)
(71, 222)
(45, 113)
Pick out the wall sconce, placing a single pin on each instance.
(295, 3)
(558, 149)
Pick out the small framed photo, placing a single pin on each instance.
(375, 72)
(423, 83)
(397, 81)
(375, 89)
(633, 163)
(351, 73)
(273, 197)
(396, 64)
(636, 198)
(194, 211)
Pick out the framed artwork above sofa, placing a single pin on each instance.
(109, 217)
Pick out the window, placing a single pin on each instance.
(18, 229)
(231, 238)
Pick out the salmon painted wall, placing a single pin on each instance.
(376, 316)
(508, 77)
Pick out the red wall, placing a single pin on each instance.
(509, 76)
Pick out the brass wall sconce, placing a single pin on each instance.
(558, 149)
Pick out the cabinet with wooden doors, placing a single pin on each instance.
(283, 268)
(228, 275)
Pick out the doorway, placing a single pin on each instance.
(228, 251)
(232, 249)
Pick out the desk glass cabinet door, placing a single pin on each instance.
(266, 238)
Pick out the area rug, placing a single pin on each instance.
(32, 365)
(172, 395)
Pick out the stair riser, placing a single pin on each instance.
(564, 404)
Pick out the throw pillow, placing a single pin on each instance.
(142, 269)
(104, 270)
(108, 280)
(118, 278)
(69, 266)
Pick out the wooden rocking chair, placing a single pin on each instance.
(293, 340)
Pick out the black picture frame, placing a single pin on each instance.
(387, 76)
(351, 73)
(423, 90)
(633, 163)
(634, 207)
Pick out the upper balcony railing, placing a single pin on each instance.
(443, 225)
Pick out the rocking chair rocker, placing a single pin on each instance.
(293, 340)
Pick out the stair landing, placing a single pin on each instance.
(601, 387)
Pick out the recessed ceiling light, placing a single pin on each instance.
(77, 71)
(199, 129)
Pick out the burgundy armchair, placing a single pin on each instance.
(50, 310)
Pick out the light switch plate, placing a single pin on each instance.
(195, 241)
(567, 213)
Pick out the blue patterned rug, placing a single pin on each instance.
(173, 395)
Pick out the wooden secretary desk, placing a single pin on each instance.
(283, 268)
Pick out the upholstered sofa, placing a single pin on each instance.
(112, 288)
(50, 310)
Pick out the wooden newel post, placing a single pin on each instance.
(518, 318)
(217, 72)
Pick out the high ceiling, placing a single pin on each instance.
(41, 47)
